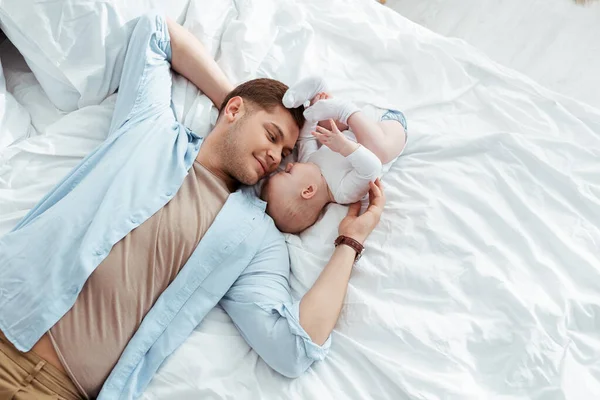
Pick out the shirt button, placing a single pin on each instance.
(134, 220)
(169, 194)
(98, 252)
(74, 289)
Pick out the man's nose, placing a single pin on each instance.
(275, 160)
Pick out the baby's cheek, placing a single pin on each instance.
(277, 187)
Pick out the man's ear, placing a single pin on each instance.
(309, 191)
(232, 109)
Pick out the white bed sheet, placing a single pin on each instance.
(15, 122)
(482, 280)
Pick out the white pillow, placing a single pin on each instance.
(15, 122)
(76, 48)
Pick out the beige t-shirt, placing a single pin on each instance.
(91, 336)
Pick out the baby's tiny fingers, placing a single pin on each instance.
(323, 130)
(334, 127)
(319, 136)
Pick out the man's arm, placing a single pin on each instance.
(291, 335)
(145, 86)
(262, 308)
(321, 305)
(190, 59)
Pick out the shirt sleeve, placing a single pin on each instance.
(262, 308)
(307, 144)
(366, 167)
(145, 85)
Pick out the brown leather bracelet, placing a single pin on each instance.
(354, 244)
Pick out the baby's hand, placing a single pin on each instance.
(335, 140)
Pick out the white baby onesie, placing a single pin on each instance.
(347, 177)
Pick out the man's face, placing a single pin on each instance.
(257, 141)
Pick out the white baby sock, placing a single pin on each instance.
(336, 108)
(303, 91)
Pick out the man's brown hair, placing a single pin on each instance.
(267, 94)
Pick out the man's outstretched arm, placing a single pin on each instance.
(192, 60)
(321, 306)
(290, 335)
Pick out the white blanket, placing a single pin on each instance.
(482, 280)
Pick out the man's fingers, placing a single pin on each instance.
(376, 187)
(354, 209)
(376, 194)
(381, 196)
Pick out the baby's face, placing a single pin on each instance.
(292, 212)
(292, 180)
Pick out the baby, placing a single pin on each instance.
(339, 171)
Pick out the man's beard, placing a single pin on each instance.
(232, 152)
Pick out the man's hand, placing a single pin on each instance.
(321, 305)
(358, 227)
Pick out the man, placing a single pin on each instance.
(112, 270)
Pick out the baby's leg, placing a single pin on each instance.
(386, 139)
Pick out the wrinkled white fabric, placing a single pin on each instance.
(482, 279)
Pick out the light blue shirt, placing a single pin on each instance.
(241, 262)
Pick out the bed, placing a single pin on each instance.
(482, 280)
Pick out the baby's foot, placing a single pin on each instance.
(306, 131)
(303, 91)
(320, 96)
(327, 123)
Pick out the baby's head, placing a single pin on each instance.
(296, 196)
